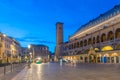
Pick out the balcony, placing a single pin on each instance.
(107, 43)
(96, 45)
(117, 40)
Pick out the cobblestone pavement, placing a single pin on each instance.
(53, 71)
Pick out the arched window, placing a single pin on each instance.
(117, 33)
(98, 39)
(77, 44)
(94, 40)
(72, 46)
(89, 41)
(103, 37)
(85, 42)
(69, 46)
(81, 43)
(110, 35)
(118, 46)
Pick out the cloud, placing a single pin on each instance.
(34, 40)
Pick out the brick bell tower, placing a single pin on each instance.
(59, 39)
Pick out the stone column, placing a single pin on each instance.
(119, 59)
(115, 60)
(83, 59)
(114, 38)
(100, 59)
(88, 59)
(103, 60)
(110, 60)
(96, 59)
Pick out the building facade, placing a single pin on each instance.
(10, 49)
(40, 51)
(25, 54)
(97, 41)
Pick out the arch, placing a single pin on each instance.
(72, 46)
(118, 46)
(98, 56)
(117, 33)
(81, 57)
(86, 51)
(115, 58)
(69, 46)
(89, 41)
(81, 43)
(98, 39)
(77, 45)
(94, 41)
(107, 48)
(105, 59)
(92, 58)
(107, 55)
(66, 47)
(85, 42)
(103, 37)
(110, 35)
(79, 52)
(86, 59)
(114, 54)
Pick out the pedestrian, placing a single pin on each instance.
(72, 63)
(28, 64)
(60, 62)
(75, 62)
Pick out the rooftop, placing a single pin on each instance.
(102, 17)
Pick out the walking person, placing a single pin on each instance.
(60, 62)
(28, 64)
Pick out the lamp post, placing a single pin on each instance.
(30, 56)
(0, 53)
(30, 47)
(4, 36)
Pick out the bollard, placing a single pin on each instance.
(11, 67)
(4, 69)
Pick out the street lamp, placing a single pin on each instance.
(4, 35)
(30, 47)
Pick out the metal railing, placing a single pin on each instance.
(5, 69)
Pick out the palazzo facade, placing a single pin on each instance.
(97, 41)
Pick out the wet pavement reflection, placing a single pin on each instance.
(53, 71)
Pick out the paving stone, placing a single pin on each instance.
(53, 71)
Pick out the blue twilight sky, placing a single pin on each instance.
(33, 21)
